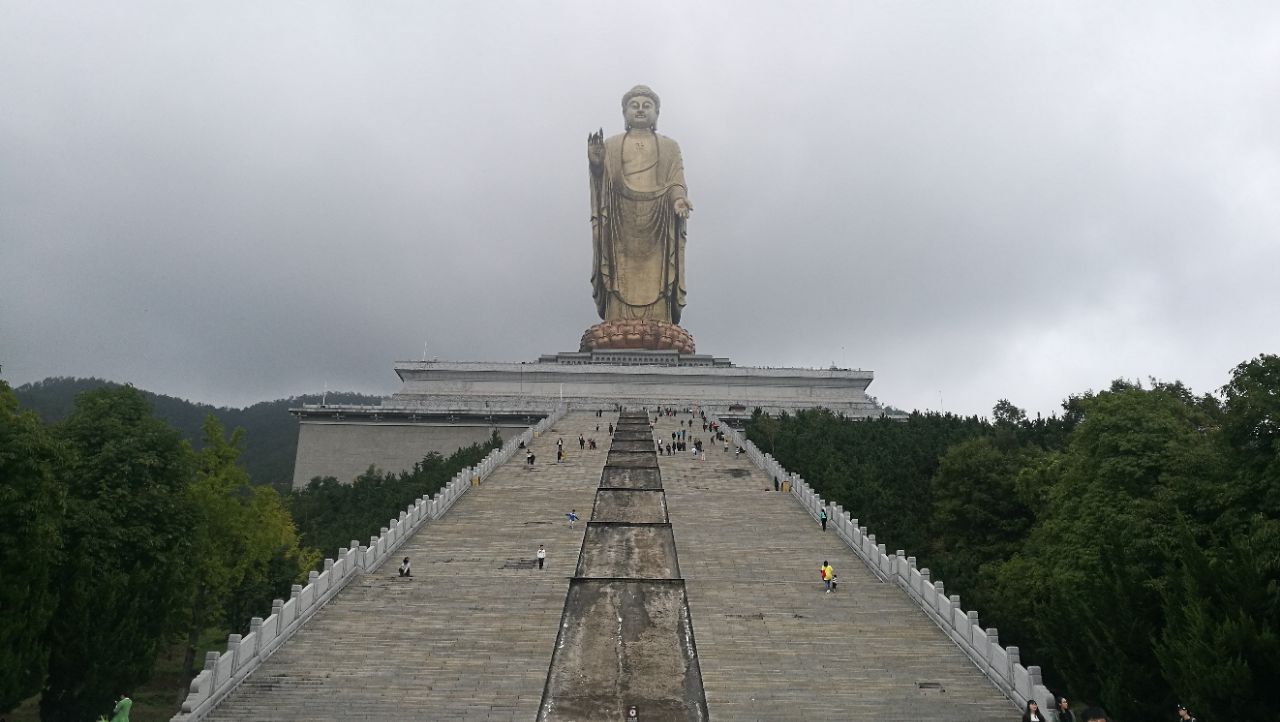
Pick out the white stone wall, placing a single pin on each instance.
(467, 385)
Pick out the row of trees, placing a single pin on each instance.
(118, 542)
(270, 440)
(118, 539)
(1130, 546)
(329, 514)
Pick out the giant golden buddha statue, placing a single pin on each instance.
(639, 207)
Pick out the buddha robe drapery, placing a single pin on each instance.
(638, 240)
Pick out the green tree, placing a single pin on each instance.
(1220, 648)
(1086, 586)
(271, 433)
(244, 547)
(31, 507)
(1251, 428)
(979, 518)
(330, 514)
(881, 470)
(122, 586)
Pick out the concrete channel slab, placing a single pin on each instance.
(634, 433)
(628, 551)
(632, 459)
(643, 444)
(631, 478)
(624, 643)
(626, 639)
(639, 506)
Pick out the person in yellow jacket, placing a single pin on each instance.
(827, 575)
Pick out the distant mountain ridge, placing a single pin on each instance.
(270, 432)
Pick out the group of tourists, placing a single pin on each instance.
(584, 443)
(1062, 713)
(829, 579)
(679, 444)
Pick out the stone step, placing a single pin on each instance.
(772, 645)
(470, 635)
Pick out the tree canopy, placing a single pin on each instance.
(1130, 546)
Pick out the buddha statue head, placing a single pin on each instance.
(640, 107)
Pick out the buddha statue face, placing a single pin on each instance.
(640, 112)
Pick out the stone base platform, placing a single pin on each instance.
(599, 379)
(443, 405)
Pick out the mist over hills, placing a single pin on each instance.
(270, 433)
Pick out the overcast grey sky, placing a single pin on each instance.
(239, 201)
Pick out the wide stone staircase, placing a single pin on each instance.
(471, 635)
(772, 644)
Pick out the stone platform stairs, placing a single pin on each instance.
(772, 644)
(471, 635)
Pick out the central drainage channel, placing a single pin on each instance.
(626, 639)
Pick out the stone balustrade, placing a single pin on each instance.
(1002, 665)
(223, 672)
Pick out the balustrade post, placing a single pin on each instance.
(233, 646)
(255, 630)
(211, 665)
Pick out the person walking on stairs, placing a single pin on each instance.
(572, 516)
(827, 574)
(542, 555)
(822, 517)
(404, 568)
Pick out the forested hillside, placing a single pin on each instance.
(1130, 546)
(271, 433)
(126, 551)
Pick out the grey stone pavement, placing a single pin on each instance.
(470, 637)
(771, 643)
